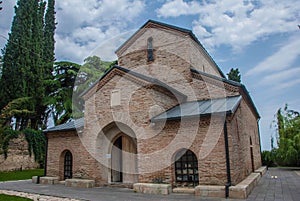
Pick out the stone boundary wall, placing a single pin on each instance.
(18, 156)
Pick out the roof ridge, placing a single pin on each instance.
(139, 75)
(188, 31)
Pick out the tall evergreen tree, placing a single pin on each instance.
(24, 69)
(234, 74)
(37, 89)
(60, 100)
(17, 54)
(49, 58)
(49, 41)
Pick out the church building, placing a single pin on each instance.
(165, 114)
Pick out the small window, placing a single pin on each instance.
(68, 164)
(186, 168)
(150, 49)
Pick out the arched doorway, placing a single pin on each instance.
(123, 159)
(186, 168)
(68, 165)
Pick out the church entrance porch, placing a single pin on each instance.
(123, 160)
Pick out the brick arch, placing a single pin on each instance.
(128, 152)
(185, 168)
(62, 163)
(114, 128)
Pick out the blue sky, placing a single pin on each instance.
(260, 37)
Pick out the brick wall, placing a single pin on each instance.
(156, 144)
(84, 165)
(243, 125)
(167, 45)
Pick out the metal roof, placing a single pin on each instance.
(72, 125)
(231, 82)
(226, 105)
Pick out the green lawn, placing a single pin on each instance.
(13, 198)
(20, 175)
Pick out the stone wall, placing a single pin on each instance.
(18, 156)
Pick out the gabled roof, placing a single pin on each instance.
(237, 84)
(72, 125)
(154, 81)
(227, 105)
(153, 23)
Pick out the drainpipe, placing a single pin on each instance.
(228, 184)
(46, 155)
(259, 139)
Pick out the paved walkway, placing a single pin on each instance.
(286, 187)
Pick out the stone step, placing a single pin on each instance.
(184, 190)
(120, 185)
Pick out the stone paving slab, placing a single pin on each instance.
(35, 197)
(285, 188)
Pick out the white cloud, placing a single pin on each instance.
(84, 25)
(287, 84)
(281, 77)
(176, 8)
(236, 23)
(281, 59)
(6, 15)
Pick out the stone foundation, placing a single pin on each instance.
(184, 190)
(149, 188)
(210, 191)
(49, 180)
(243, 189)
(81, 183)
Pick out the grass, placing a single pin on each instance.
(13, 198)
(20, 175)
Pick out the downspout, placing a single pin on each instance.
(46, 156)
(228, 184)
(259, 139)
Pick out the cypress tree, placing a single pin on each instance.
(17, 54)
(49, 57)
(36, 72)
(23, 63)
(49, 41)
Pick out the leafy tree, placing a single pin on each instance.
(60, 100)
(269, 158)
(22, 109)
(89, 73)
(288, 137)
(234, 75)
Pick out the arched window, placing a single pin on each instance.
(251, 155)
(68, 163)
(150, 49)
(186, 168)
